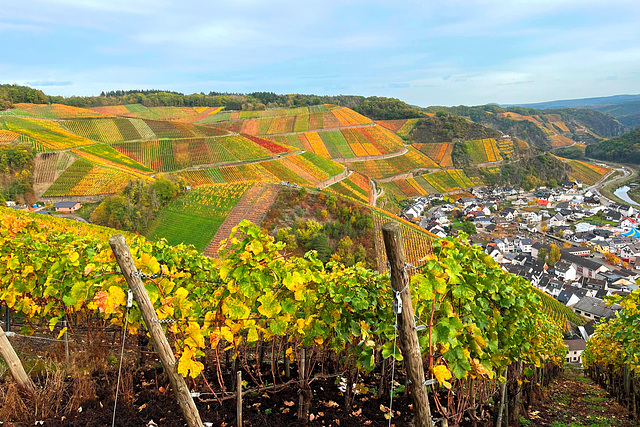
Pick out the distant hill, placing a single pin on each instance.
(439, 128)
(625, 108)
(546, 129)
(625, 148)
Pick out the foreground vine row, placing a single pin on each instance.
(258, 307)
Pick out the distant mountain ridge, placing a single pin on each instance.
(579, 103)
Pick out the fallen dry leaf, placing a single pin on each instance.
(288, 403)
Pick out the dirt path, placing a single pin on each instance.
(573, 400)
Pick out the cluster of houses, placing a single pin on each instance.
(516, 229)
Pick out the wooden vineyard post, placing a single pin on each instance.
(407, 335)
(239, 398)
(125, 261)
(15, 366)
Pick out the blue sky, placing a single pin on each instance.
(423, 52)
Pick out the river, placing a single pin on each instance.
(622, 193)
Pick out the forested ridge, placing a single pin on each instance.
(625, 148)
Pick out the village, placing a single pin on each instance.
(569, 242)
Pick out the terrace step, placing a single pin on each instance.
(253, 206)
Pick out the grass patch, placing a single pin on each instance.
(194, 217)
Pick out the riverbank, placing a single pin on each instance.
(610, 187)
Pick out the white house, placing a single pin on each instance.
(557, 220)
(565, 271)
(524, 245)
(575, 349)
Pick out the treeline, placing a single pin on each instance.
(529, 172)
(625, 148)
(135, 207)
(14, 94)
(16, 173)
(445, 127)
(377, 108)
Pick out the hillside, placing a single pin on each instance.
(625, 108)
(625, 148)
(546, 129)
(439, 128)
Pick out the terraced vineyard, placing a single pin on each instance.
(8, 136)
(506, 147)
(586, 172)
(401, 127)
(436, 182)
(52, 111)
(50, 134)
(174, 154)
(378, 169)
(439, 153)
(352, 142)
(178, 114)
(49, 166)
(282, 121)
(106, 154)
(84, 178)
(302, 169)
(195, 216)
(483, 150)
(415, 240)
(252, 206)
(124, 129)
(355, 186)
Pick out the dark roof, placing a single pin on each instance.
(601, 293)
(596, 307)
(565, 296)
(591, 265)
(590, 327)
(562, 266)
(575, 345)
(65, 204)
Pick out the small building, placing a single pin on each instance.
(67, 207)
(595, 308)
(575, 349)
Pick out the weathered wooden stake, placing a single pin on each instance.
(407, 335)
(301, 369)
(13, 362)
(125, 261)
(503, 399)
(239, 398)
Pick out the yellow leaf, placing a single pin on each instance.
(61, 333)
(150, 262)
(193, 336)
(73, 257)
(226, 333)
(187, 365)
(442, 374)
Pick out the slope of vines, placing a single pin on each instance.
(480, 319)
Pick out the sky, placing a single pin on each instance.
(423, 52)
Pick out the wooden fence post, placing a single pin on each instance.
(15, 366)
(407, 335)
(239, 398)
(125, 261)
